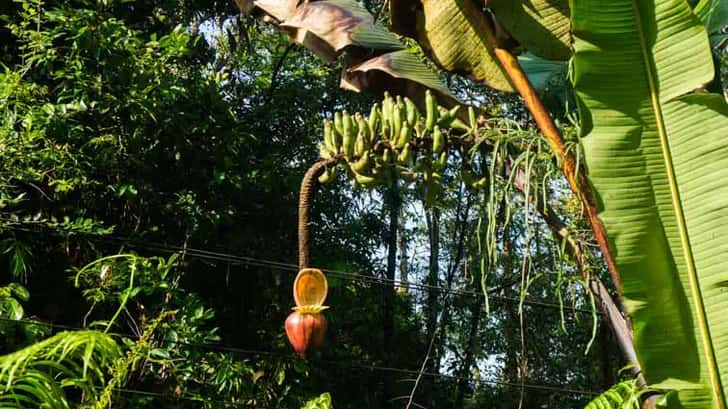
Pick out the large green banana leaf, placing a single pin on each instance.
(541, 26)
(455, 34)
(657, 155)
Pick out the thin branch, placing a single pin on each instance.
(424, 362)
(277, 69)
(607, 305)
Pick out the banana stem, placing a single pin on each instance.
(308, 189)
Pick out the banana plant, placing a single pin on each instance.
(657, 154)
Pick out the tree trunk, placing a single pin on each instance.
(388, 325)
(456, 255)
(469, 360)
(402, 244)
(510, 321)
(607, 358)
(433, 227)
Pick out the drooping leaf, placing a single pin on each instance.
(336, 24)
(539, 70)
(541, 26)
(245, 6)
(657, 157)
(403, 66)
(455, 34)
(280, 10)
(376, 60)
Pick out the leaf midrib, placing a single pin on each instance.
(700, 313)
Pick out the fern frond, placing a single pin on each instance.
(41, 374)
(624, 395)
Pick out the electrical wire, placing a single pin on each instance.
(256, 262)
(173, 397)
(248, 352)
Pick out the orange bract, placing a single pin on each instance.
(310, 288)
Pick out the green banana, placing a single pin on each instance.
(471, 118)
(413, 115)
(373, 122)
(338, 125)
(362, 165)
(447, 117)
(438, 140)
(328, 175)
(387, 113)
(363, 140)
(360, 147)
(349, 135)
(454, 111)
(405, 135)
(337, 131)
(458, 124)
(433, 187)
(365, 181)
(397, 121)
(387, 156)
(440, 163)
(479, 184)
(406, 175)
(405, 157)
(431, 110)
(329, 139)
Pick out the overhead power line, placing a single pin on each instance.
(241, 351)
(282, 266)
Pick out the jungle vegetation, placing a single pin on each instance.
(559, 246)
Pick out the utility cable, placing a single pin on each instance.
(248, 352)
(256, 262)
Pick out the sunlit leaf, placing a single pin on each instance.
(657, 156)
(540, 71)
(541, 26)
(455, 34)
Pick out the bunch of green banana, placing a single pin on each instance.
(395, 139)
